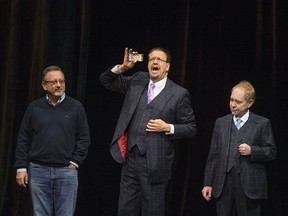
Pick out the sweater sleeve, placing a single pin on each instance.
(24, 140)
(82, 138)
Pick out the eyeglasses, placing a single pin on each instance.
(158, 59)
(54, 82)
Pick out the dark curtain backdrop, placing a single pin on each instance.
(214, 45)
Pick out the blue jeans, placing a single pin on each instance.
(53, 189)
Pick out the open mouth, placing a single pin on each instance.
(155, 69)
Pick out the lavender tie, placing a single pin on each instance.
(150, 92)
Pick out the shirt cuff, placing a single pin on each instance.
(115, 69)
(71, 162)
(21, 170)
(172, 130)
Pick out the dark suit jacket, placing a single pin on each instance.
(258, 134)
(173, 106)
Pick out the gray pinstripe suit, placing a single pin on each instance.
(172, 106)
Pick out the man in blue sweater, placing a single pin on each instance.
(52, 143)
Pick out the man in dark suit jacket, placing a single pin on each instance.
(235, 170)
(143, 136)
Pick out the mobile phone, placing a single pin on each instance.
(135, 57)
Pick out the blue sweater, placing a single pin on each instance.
(53, 136)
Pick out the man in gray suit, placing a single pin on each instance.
(242, 142)
(146, 127)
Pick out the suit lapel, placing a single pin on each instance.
(164, 96)
(250, 125)
(227, 128)
(131, 102)
(136, 94)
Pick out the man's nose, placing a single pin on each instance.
(58, 83)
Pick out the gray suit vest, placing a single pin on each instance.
(137, 128)
(235, 141)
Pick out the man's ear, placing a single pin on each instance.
(44, 86)
(168, 67)
(251, 102)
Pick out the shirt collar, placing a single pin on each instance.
(160, 84)
(244, 118)
(58, 102)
